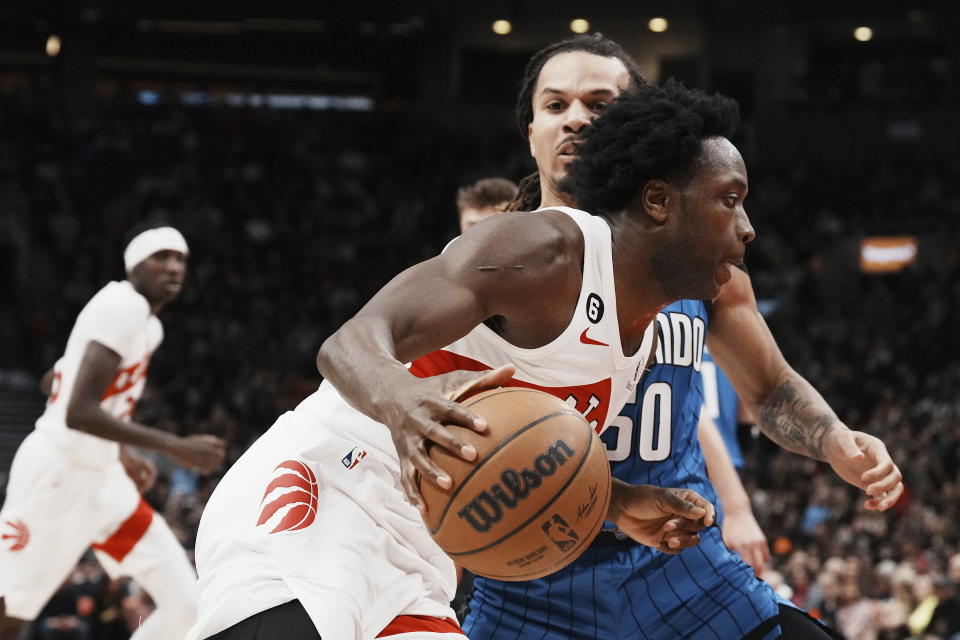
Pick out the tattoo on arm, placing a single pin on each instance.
(796, 422)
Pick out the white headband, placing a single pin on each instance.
(149, 242)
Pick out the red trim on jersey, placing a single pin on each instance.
(592, 400)
(128, 534)
(409, 624)
(124, 379)
(442, 361)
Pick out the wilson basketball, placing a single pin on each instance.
(535, 496)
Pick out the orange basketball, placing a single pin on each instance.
(535, 496)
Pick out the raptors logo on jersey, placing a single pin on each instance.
(591, 400)
(289, 502)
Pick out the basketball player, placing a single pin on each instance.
(315, 531)
(480, 200)
(618, 589)
(68, 487)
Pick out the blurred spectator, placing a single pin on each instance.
(481, 199)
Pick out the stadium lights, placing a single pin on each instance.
(658, 25)
(502, 27)
(863, 34)
(53, 46)
(579, 25)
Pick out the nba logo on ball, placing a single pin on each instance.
(533, 499)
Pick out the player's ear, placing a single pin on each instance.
(533, 153)
(654, 199)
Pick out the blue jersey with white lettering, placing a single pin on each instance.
(721, 403)
(628, 591)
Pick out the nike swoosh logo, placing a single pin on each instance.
(585, 340)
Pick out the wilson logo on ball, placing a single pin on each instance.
(486, 509)
(290, 500)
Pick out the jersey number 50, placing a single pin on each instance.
(656, 423)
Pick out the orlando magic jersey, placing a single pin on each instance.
(624, 590)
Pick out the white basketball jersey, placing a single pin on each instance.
(119, 318)
(585, 365)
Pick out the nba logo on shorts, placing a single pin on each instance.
(353, 458)
(290, 500)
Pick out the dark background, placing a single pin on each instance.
(310, 154)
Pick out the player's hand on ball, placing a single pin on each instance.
(863, 460)
(203, 452)
(138, 468)
(666, 519)
(422, 412)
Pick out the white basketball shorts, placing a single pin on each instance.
(55, 509)
(309, 514)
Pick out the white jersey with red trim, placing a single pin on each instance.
(313, 510)
(585, 365)
(119, 318)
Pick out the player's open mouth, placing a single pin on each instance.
(567, 149)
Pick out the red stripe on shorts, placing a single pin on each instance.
(408, 624)
(128, 534)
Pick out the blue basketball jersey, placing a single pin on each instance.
(632, 591)
(721, 403)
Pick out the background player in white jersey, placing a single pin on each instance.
(481, 199)
(68, 488)
(311, 529)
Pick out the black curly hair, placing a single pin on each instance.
(529, 194)
(648, 132)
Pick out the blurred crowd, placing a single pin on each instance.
(295, 218)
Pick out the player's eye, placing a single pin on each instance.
(554, 105)
(599, 106)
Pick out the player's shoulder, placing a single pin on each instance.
(120, 297)
(542, 237)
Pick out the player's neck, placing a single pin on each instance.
(155, 305)
(640, 294)
(550, 196)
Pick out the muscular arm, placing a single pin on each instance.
(509, 267)
(787, 407)
(84, 413)
(525, 269)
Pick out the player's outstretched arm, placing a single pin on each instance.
(788, 409)
(84, 413)
(518, 267)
